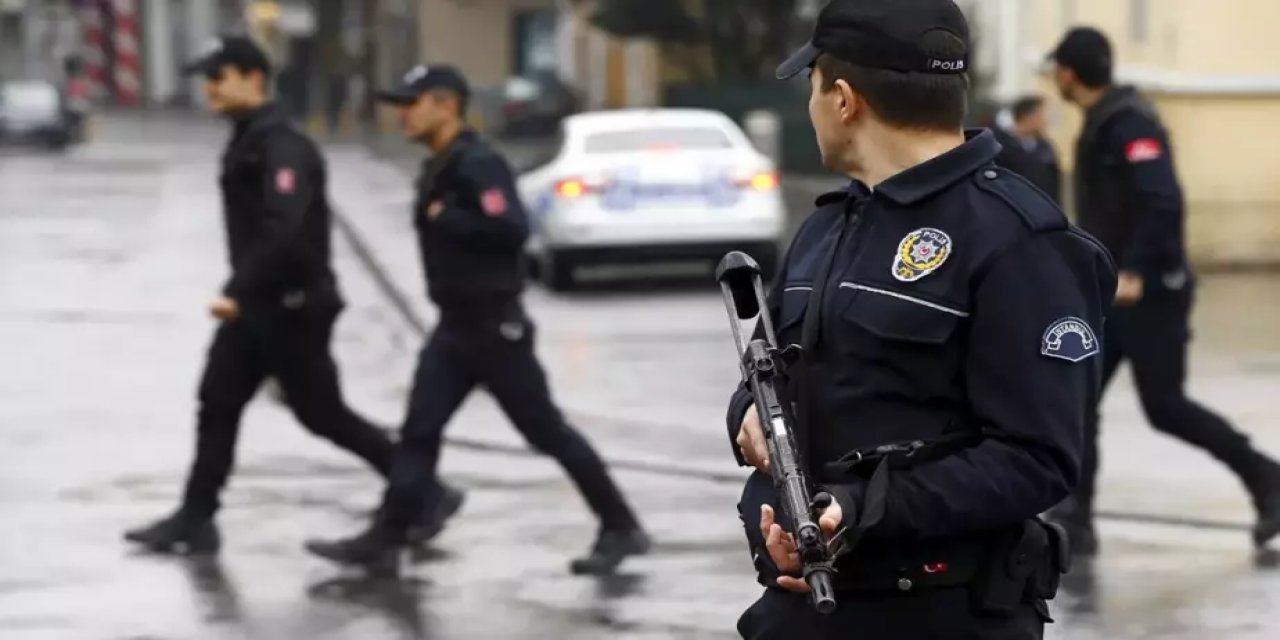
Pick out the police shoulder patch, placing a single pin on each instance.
(1069, 339)
(494, 202)
(920, 253)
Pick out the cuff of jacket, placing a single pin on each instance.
(849, 497)
(453, 220)
(235, 289)
(737, 409)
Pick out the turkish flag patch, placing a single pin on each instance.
(1143, 150)
(494, 203)
(286, 180)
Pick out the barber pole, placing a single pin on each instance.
(89, 13)
(127, 64)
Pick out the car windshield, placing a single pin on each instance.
(28, 97)
(649, 138)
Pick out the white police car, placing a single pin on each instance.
(644, 185)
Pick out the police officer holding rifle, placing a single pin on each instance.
(948, 321)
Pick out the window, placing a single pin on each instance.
(535, 41)
(684, 138)
(1139, 17)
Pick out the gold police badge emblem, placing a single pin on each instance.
(920, 253)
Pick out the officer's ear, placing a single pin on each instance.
(256, 78)
(850, 101)
(444, 97)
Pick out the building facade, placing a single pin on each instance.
(1211, 70)
(490, 40)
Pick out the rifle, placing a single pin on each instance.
(762, 363)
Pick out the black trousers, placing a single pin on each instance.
(1153, 336)
(941, 614)
(291, 345)
(494, 350)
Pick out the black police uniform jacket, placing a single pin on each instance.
(277, 217)
(473, 250)
(959, 301)
(1126, 190)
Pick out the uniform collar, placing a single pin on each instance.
(851, 191)
(247, 125)
(268, 113)
(436, 162)
(925, 179)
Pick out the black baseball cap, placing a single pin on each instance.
(882, 34)
(424, 78)
(1083, 48)
(238, 51)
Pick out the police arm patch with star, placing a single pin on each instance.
(1069, 339)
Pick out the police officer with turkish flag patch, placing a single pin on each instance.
(1127, 195)
(277, 310)
(471, 229)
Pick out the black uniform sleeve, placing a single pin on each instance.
(486, 211)
(289, 165)
(1153, 192)
(1032, 374)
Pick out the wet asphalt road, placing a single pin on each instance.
(107, 258)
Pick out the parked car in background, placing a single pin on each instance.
(650, 185)
(32, 111)
(534, 105)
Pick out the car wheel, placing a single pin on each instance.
(557, 271)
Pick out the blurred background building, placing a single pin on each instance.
(1212, 70)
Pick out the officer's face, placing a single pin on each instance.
(427, 115)
(227, 90)
(1066, 80)
(832, 111)
(1035, 122)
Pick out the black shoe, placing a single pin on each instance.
(1082, 538)
(611, 547)
(178, 533)
(376, 550)
(438, 514)
(1265, 490)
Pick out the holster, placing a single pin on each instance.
(1023, 567)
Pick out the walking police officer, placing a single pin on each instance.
(1127, 194)
(1025, 149)
(278, 309)
(949, 319)
(471, 229)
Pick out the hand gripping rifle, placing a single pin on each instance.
(762, 363)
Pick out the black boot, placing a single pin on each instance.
(610, 548)
(178, 533)
(436, 516)
(376, 550)
(1077, 520)
(1263, 483)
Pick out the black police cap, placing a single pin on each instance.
(1083, 48)
(237, 51)
(883, 34)
(424, 78)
